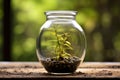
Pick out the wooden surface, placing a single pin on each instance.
(34, 70)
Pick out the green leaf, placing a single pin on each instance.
(67, 42)
(69, 47)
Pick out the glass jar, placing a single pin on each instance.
(61, 44)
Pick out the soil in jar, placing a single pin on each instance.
(62, 65)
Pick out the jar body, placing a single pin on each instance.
(61, 44)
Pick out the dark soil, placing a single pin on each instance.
(62, 65)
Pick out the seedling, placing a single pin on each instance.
(63, 45)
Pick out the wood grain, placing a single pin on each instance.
(34, 70)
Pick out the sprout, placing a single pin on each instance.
(63, 45)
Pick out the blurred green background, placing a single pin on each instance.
(100, 20)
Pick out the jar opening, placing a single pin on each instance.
(72, 13)
(61, 14)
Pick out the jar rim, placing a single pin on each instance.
(61, 12)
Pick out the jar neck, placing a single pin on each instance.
(60, 15)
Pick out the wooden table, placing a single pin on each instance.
(34, 70)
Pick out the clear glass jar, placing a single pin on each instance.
(61, 44)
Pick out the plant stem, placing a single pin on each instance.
(57, 40)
